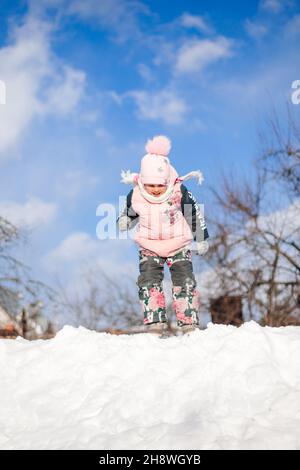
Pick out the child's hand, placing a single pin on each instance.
(202, 248)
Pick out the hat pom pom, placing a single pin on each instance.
(159, 145)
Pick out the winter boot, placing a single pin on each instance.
(186, 329)
(160, 328)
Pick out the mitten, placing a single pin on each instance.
(202, 247)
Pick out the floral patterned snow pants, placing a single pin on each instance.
(185, 296)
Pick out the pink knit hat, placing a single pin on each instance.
(155, 165)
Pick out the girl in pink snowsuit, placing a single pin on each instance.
(169, 220)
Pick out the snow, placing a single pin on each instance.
(220, 388)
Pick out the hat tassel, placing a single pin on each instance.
(192, 174)
(127, 177)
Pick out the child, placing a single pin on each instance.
(169, 220)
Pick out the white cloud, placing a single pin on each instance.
(163, 105)
(34, 213)
(197, 54)
(195, 21)
(75, 247)
(80, 258)
(90, 116)
(36, 82)
(283, 222)
(273, 6)
(255, 29)
(145, 72)
(119, 17)
(197, 125)
(74, 183)
(116, 97)
(260, 88)
(64, 95)
(165, 52)
(2, 92)
(292, 27)
(102, 133)
(79, 251)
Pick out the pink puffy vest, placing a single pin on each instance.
(162, 227)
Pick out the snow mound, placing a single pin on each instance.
(221, 388)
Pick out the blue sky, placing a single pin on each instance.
(87, 83)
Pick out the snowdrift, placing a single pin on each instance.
(221, 388)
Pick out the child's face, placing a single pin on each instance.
(155, 189)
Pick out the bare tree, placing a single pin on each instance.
(103, 301)
(256, 250)
(16, 285)
(281, 154)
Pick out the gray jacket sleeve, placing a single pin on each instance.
(128, 217)
(193, 215)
